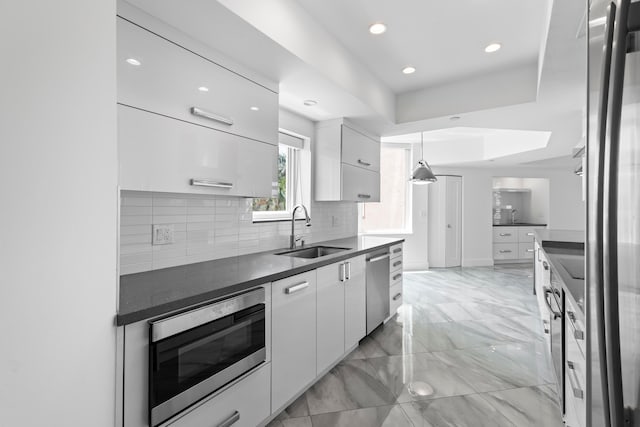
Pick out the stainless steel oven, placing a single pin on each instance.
(194, 353)
(554, 300)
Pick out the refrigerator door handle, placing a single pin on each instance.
(626, 20)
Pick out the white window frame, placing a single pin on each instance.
(408, 220)
(295, 156)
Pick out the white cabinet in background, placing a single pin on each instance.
(513, 243)
(246, 402)
(445, 222)
(293, 336)
(347, 163)
(395, 278)
(161, 154)
(172, 81)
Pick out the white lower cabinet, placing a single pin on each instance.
(395, 298)
(330, 314)
(575, 374)
(293, 337)
(355, 303)
(244, 404)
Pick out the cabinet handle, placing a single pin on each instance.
(362, 162)
(378, 258)
(397, 263)
(530, 250)
(545, 265)
(577, 333)
(364, 196)
(348, 264)
(529, 234)
(211, 116)
(397, 250)
(397, 276)
(545, 326)
(398, 295)
(505, 234)
(342, 274)
(547, 290)
(577, 391)
(235, 417)
(505, 251)
(296, 288)
(207, 183)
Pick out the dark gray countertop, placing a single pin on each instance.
(559, 236)
(568, 263)
(152, 293)
(520, 224)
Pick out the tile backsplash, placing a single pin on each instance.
(212, 227)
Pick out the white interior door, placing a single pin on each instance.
(453, 217)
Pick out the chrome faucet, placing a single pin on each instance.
(293, 240)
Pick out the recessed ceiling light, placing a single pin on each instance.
(377, 28)
(409, 70)
(310, 102)
(493, 47)
(254, 108)
(454, 118)
(133, 61)
(203, 89)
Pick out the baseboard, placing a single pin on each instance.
(415, 266)
(477, 262)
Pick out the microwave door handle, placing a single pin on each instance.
(621, 29)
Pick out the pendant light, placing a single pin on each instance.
(422, 174)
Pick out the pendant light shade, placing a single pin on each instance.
(422, 174)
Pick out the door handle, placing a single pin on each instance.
(397, 276)
(364, 196)
(342, 273)
(208, 183)
(348, 268)
(547, 291)
(234, 418)
(505, 234)
(362, 162)
(398, 295)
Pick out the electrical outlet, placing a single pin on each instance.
(162, 234)
(335, 221)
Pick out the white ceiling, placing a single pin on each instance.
(443, 40)
(322, 50)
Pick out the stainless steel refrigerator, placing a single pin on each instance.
(613, 216)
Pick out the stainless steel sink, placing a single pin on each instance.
(313, 252)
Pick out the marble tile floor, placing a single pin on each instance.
(466, 349)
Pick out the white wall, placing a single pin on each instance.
(58, 181)
(566, 209)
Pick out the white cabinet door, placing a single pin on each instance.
(246, 402)
(171, 80)
(360, 185)
(505, 251)
(525, 250)
(525, 234)
(395, 298)
(293, 336)
(162, 154)
(453, 217)
(360, 150)
(330, 316)
(355, 302)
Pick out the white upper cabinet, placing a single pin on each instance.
(188, 125)
(168, 79)
(160, 154)
(347, 163)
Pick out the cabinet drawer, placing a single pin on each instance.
(247, 400)
(360, 150)
(168, 80)
(505, 234)
(575, 377)
(395, 277)
(395, 265)
(525, 250)
(575, 326)
(525, 234)
(161, 154)
(505, 251)
(395, 298)
(360, 185)
(395, 251)
(293, 336)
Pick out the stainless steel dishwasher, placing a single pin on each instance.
(377, 288)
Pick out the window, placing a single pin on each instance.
(392, 215)
(287, 191)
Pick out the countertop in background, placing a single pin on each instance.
(520, 224)
(152, 293)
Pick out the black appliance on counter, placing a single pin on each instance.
(194, 353)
